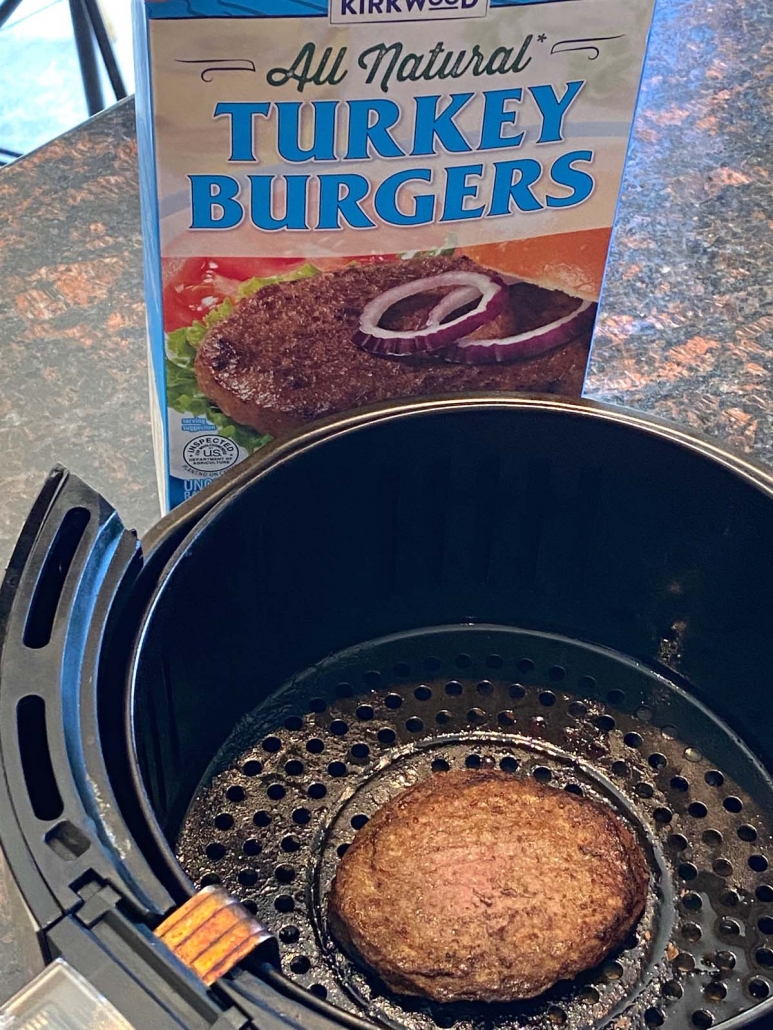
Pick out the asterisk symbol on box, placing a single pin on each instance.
(541, 37)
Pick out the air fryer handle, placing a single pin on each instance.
(56, 803)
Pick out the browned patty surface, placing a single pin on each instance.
(286, 355)
(481, 886)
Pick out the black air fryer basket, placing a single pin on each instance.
(555, 589)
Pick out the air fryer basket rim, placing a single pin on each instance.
(201, 511)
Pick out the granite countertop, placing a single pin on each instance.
(685, 322)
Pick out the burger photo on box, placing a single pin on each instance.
(262, 346)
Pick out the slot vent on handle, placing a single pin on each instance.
(42, 612)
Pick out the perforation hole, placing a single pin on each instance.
(759, 989)
(365, 713)
(677, 841)
(440, 765)
(697, 810)
(284, 874)
(506, 718)
(337, 769)
(251, 847)
(747, 833)
(764, 957)
(615, 697)
(293, 722)
(692, 901)
(284, 903)
(712, 837)
(632, 740)
(687, 871)
(360, 751)
(422, 693)
(317, 791)
(722, 867)
(294, 768)
(261, 818)
(473, 761)
(247, 877)
(542, 774)
(252, 768)
(315, 746)
(715, 991)
(605, 723)
(525, 665)
(386, 736)
(272, 745)
(680, 783)
(764, 893)
(485, 688)
(414, 725)
(654, 1017)
(463, 661)
(339, 728)
(319, 991)
(508, 764)
(476, 716)
(758, 863)
(301, 816)
(300, 964)
(684, 962)
(317, 705)
(732, 804)
(657, 761)
(547, 698)
(702, 1019)
(215, 851)
(454, 688)
(224, 821)
(394, 701)
(577, 709)
(235, 794)
(276, 791)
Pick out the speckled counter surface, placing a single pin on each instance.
(686, 324)
(73, 372)
(686, 321)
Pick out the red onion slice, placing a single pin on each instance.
(524, 345)
(433, 336)
(452, 301)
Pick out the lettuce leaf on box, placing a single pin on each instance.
(182, 389)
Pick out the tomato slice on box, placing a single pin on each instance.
(194, 286)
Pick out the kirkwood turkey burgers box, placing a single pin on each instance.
(349, 201)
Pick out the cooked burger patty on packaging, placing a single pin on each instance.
(287, 354)
(481, 886)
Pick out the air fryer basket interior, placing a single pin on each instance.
(550, 588)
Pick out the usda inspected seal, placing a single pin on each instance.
(210, 454)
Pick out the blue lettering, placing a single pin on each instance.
(457, 189)
(429, 124)
(209, 192)
(289, 113)
(335, 204)
(295, 202)
(553, 110)
(563, 173)
(362, 132)
(386, 199)
(241, 115)
(495, 117)
(505, 190)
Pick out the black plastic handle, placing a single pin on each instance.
(60, 825)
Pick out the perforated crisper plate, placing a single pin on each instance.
(297, 779)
